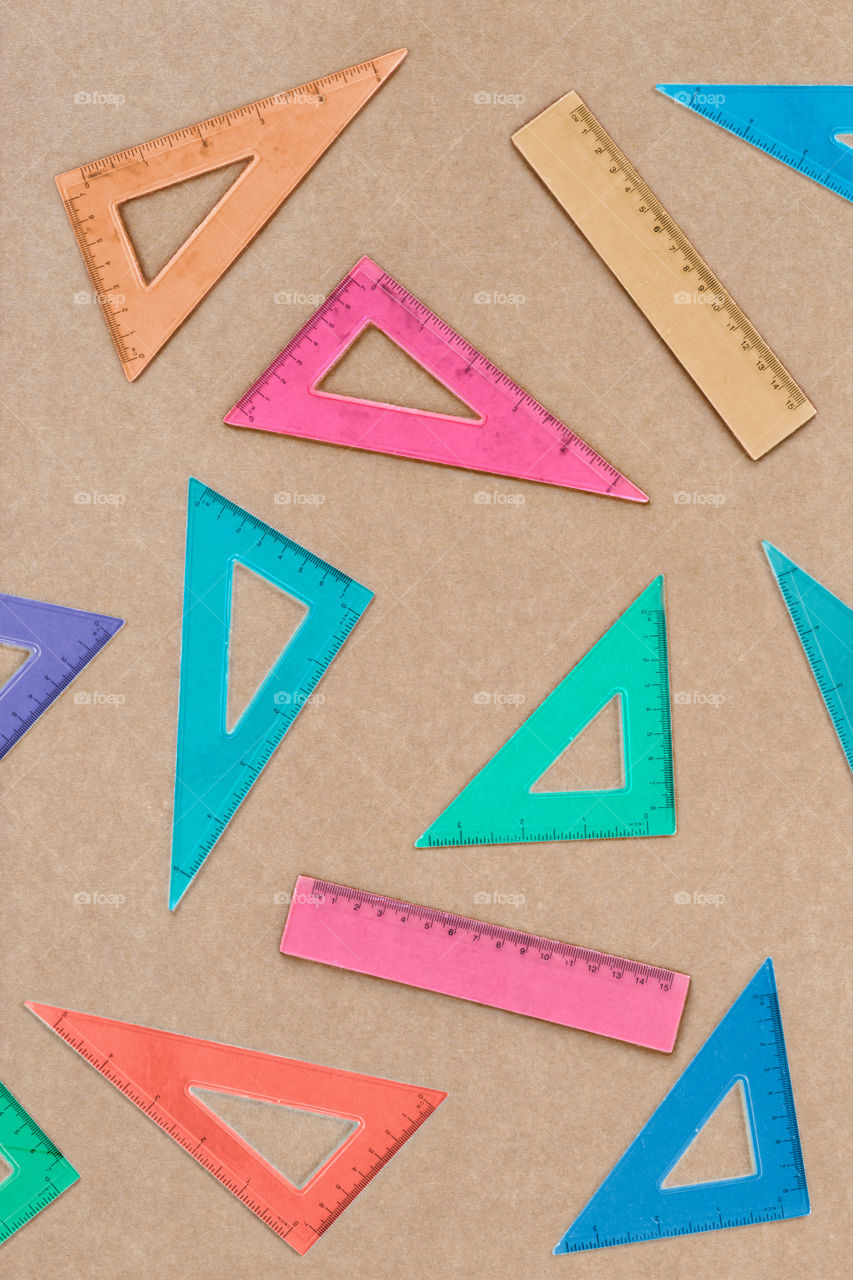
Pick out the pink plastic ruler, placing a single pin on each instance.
(512, 436)
(486, 963)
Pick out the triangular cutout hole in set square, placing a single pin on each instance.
(297, 1143)
(6, 1169)
(594, 760)
(722, 1149)
(374, 368)
(160, 222)
(11, 660)
(264, 619)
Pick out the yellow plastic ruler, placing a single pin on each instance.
(670, 282)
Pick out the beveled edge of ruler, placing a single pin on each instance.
(118, 159)
(452, 917)
(771, 437)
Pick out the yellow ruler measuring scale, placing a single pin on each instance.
(671, 283)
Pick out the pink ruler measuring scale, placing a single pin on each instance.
(488, 964)
(513, 435)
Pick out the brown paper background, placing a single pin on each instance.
(469, 597)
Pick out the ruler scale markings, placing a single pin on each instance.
(372, 934)
(650, 255)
